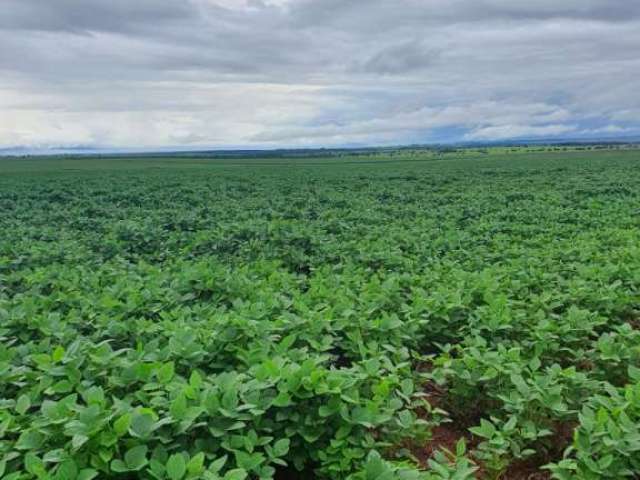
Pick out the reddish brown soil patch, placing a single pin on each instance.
(434, 394)
(633, 319)
(585, 365)
(446, 436)
(440, 397)
(563, 436)
(290, 473)
(443, 436)
(527, 470)
(531, 469)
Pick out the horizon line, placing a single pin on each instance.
(23, 151)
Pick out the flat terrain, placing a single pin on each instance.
(347, 316)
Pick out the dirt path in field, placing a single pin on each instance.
(446, 436)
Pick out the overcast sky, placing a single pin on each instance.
(272, 73)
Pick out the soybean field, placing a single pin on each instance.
(405, 315)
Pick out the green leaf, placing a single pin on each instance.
(166, 372)
(87, 474)
(217, 464)
(535, 364)
(178, 407)
(141, 425)
(485, 430)
(136, 457)
(196, 464)
(30, 440)
(195, 380)
(520, 385)
(68, 470)
(54, 456)
(236, 474)
(34, 465)
(372, 366)
(248, 461)
(282, 400)
(281, 447)
(230, 399)
(58, 354)
(78, 440)
(605, 462)
(121, 425)
(23, 404)
(461, 447)
(176, 466)
(407, 387)
(118, 466)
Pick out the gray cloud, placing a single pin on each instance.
(314, 72)
(81, 16)
(399, 59)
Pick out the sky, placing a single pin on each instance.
(315, 73)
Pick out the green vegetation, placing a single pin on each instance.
(415, 315)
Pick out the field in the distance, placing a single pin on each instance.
(406, 315)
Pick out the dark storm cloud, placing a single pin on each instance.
(314, 72)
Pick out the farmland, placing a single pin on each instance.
(404, 315)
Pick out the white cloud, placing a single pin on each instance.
(503, 132)
(609, 130)
(314, 72)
